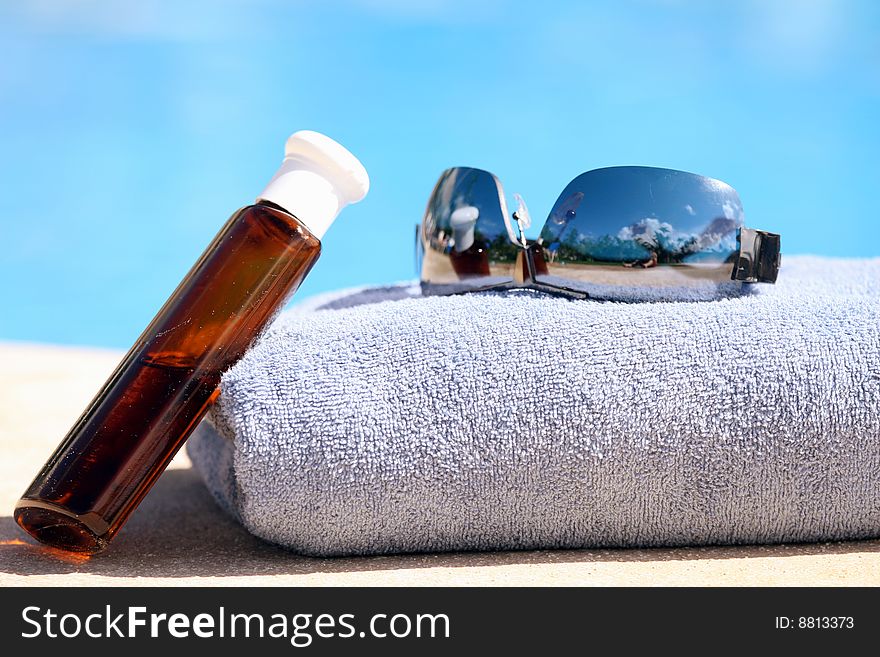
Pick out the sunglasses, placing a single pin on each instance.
(619, 233)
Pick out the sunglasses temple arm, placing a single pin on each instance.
(758, 258)
(418, 250)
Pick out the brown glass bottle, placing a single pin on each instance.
(162, 388)
(164, 385)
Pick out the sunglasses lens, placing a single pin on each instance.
(637, 229)
(464, 236)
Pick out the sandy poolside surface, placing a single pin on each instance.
(180, 537)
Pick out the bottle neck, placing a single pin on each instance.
(274, 206)
(310, 194)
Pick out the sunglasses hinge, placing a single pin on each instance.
(758, 258)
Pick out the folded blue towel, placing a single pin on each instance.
(379, 421)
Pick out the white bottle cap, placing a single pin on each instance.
(317, 178)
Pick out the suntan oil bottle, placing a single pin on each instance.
(162, 388)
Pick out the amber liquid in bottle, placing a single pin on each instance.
(165, 384)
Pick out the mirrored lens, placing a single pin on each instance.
(640, 232)
(465, 240)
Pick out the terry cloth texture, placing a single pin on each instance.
(387, 422)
